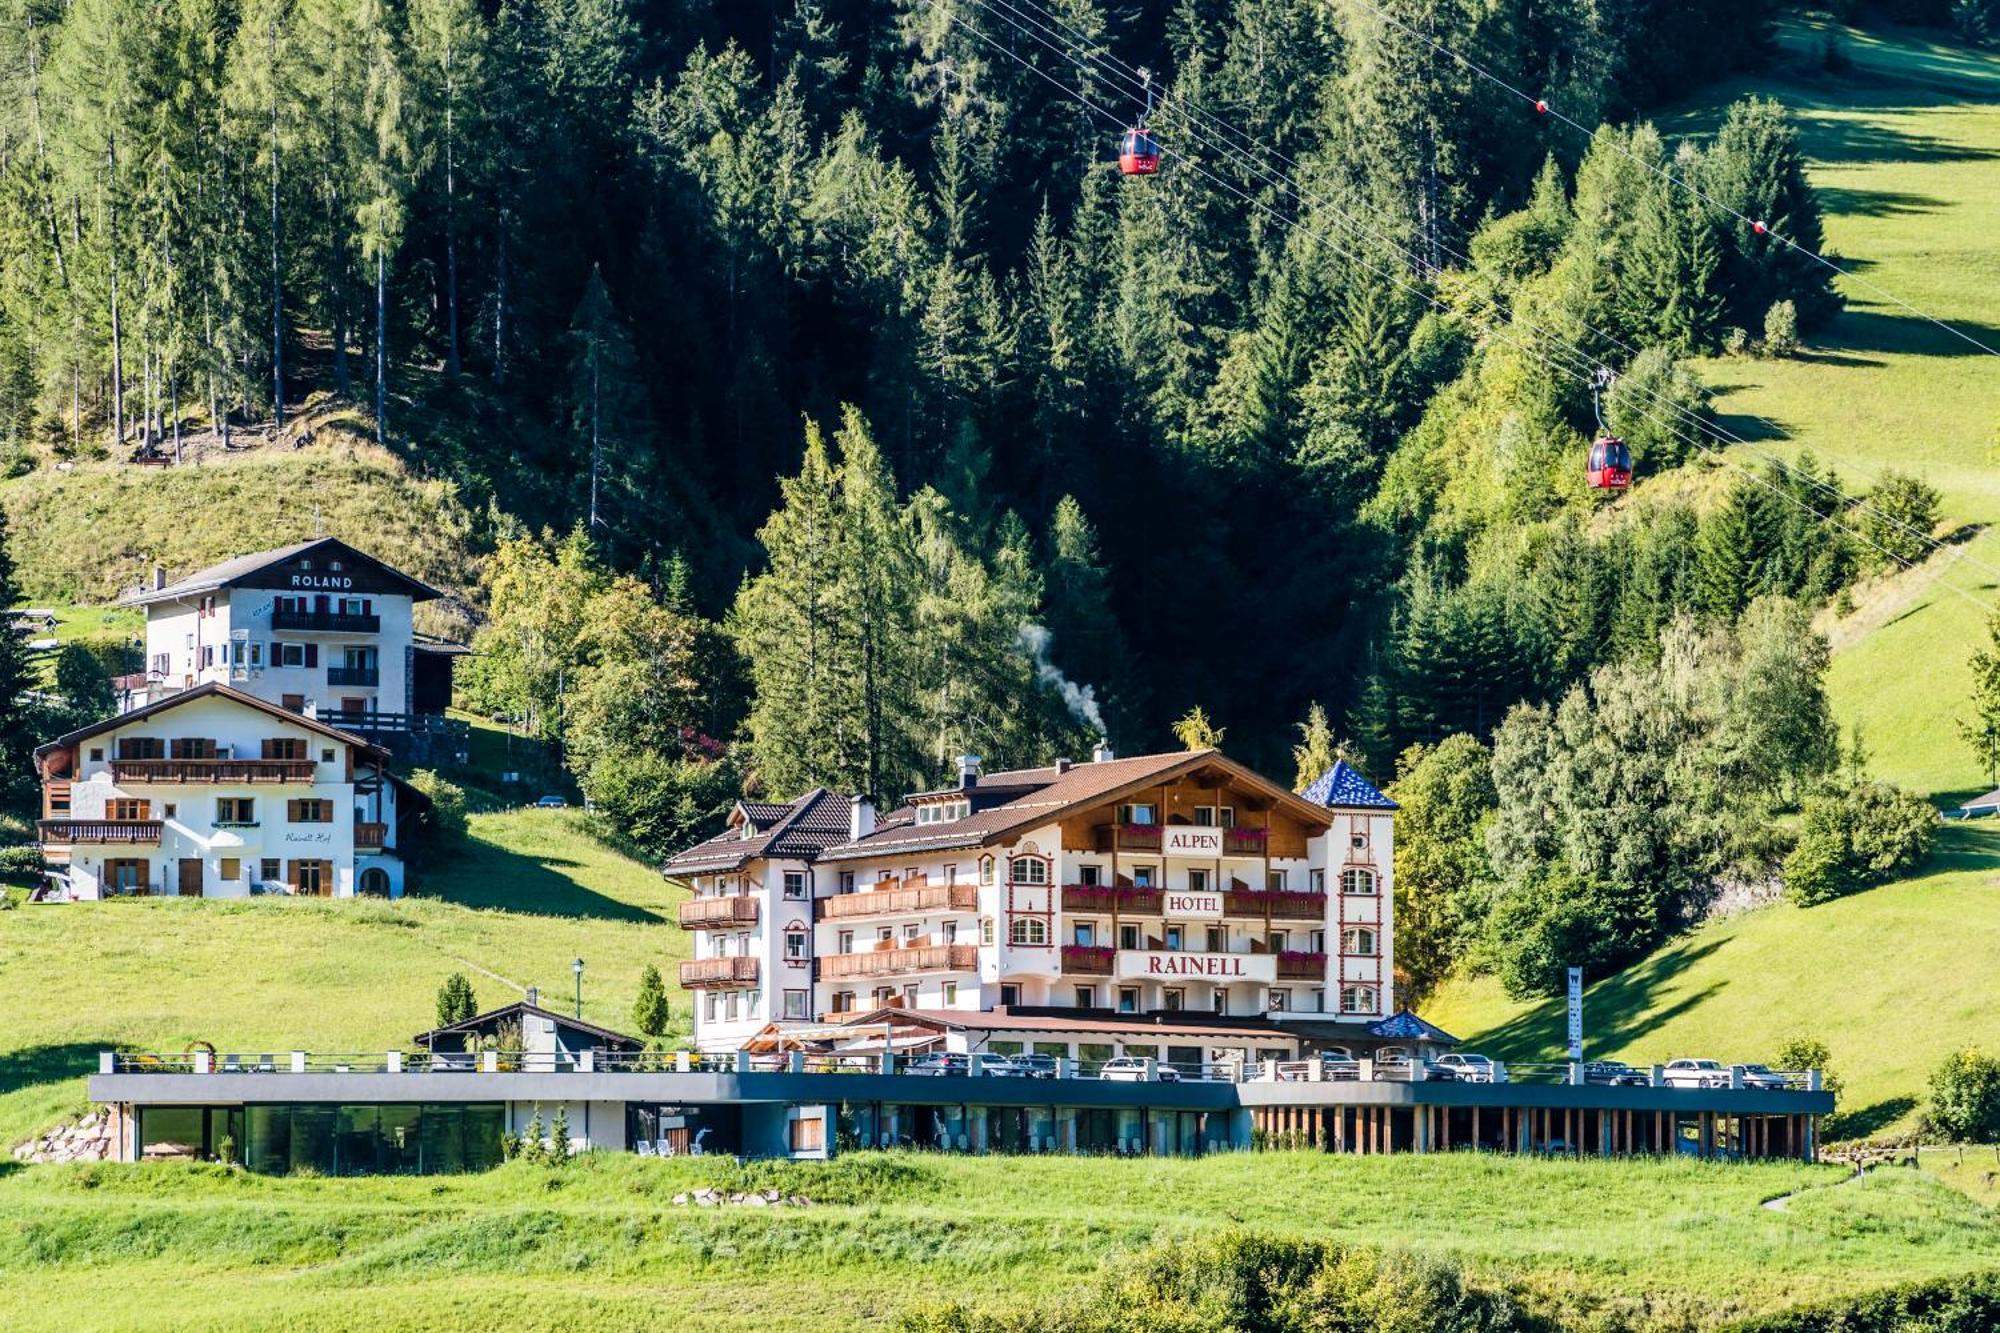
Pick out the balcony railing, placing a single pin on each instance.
(212, 770)
(1301, 966)
(1088, 960)
(1129, 838)
(900, 962)
(353, 676)
(719, 972)
(135, 831)
(327, 622)
(454, 731)
(1245, 841)
(707, 913)
(1278, 904)
(370, 837)
(884, 902)
(1127, 900)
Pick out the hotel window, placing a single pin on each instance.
(1359, 842)
(1358, 940)
(309, 810)
(1128, 936)
(1274, 880)
(283, 747)
(1357, 999)
(985, 870)
(1128, 999)
(293, 654)
(712, 1000)
(1217, 941)
(257, 654)
(1356, 880)
(1031, 931)
(326, 755)
(1221, 1001)
(96, 754)
(309, 876)
(1279, 939)
(267, 870)
(795, 946)
(795, 883)
(1316, 881)
(1226, 816)
(881, 996)
(950, 993)
(1197, 881)
(1319, 999)
(911, 874)
(169, 810)
(59, 798)
(1174, 938)
(141, 747)
(843, 1002)
(1173, 1001)
(1315, 941)
(1010, 994)
(910, 996)
(795, 1004)
(1142, 877)
(844, 942)
(951, 932)
(1204, 816)
(1089, 876)
(1029, 870)
(885, 934)
(1083, 934)
(124, 809)
(1086, 997)
(235, 810)
(1281, 1000)
(734, 1009)
(1137, 814)
(126, 876)
(847, 881)
(986, 930)
(951, 874)
(231, 869)
(910, 934)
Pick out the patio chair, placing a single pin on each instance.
(645, 1147)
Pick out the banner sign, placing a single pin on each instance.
(1166, 965)
(1191, 840)
(1203, 906)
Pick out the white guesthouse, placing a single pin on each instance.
(215, 793)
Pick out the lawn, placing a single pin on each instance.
(531, 891)
(1892, 980)
(1904, 149)
(600, 1245)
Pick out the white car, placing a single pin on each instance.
(1695, 1074)
(1467, 1068)
(1763, 1077)
(1132, 1069)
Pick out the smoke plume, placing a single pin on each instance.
(1081, 700)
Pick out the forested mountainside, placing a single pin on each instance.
(822, 401)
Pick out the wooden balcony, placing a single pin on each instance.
(1104, 898)
(212, 770)
(737, 909)
(1301, 966)
(370, 837)
(1278, 905)
(327, 622)
(703, 972)
(353, 677)
(1129, 838)
(1088, 960)
(100, 831)
(900, 962)
(1245, 841)
(889, 902)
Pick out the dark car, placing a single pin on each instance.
(1037, 1066)
(1614, 1074)
(939, 1064)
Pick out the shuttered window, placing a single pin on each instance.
(141, 747)
(284, 747)
(309, 810)
(193, 747)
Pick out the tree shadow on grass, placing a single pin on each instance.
(1871, 1119)
(1616, 1011)
(1835, 359)
(1750, 429)
(1875, 203)
(484, 874)
(1911, 335)
(33, 1065)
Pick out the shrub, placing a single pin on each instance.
(1736, 342)
(558, 1150)
(1781, 329)
(1902, 511)
(1848, 840)
(455, 1002)
(1961, 1304)
(1655, 406)
(651, 1011)
(20, 865)
(1965, 1097)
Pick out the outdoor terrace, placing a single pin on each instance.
(904, 899)
(730, 972)
(905, 961)
(135, 832)
(736, 909)
(212, 770)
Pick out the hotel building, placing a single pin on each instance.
(1105, 900)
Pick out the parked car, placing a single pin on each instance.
(1439, 1072)
(1614, 1074)
(1696, 1074)
(1037, 1066)
(551, 803)
(1466, 1067)
(939, 1063)
(992, 1064)
(1762, 1076)
(1339, 1069)
(1132, 1069)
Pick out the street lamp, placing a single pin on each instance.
(577, 967)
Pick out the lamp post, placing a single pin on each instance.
(577, 967)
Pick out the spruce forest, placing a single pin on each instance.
(826, 404)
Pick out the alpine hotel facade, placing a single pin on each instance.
(1181, 890)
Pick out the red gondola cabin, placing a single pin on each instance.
(1139, 154)
(1610, 464)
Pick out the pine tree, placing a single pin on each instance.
(651, 1011)
(1316, 751)
(1732, 548)
(1981, 730)
(448, 56)
(1195, 732)
(18, 718)
(1668, 285)
(455, 1002)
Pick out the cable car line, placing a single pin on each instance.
(1284, 184)
(1758, 225)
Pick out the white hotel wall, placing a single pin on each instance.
(179, 631)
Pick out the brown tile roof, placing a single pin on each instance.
(222, 691)
(800, 830)
(241, 566)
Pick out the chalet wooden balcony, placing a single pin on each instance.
(704, 972)
(737, 909)
(900, 962)
(1278, 905)
(1245, 841)
(1300, 966)
(212, 770)
(327, 622)
(1124, 900)
(1088, 960)
(889, 902)
(370, 837)
(1129, 838)
(354, 677)
(136, 832)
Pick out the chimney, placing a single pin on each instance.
(1101, 753)
(159, 577)
(968, 771)
(533, 997)
(1062, 766)
(860, 817)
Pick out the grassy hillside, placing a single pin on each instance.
(1904, 150)
(532, 891)
(1671, 1244)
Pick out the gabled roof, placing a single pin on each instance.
(1053, 793)
(797, 830)
(237, 568)
(1342, 788)
(1406, 1026)
(220, 691)
(492, 1018)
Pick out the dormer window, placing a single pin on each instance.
(943, 812)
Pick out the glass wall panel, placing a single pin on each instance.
(173, 1132)
(312, 1140)
(354, 1153)
(482, 1125)
(268, 1145)
(398, 1140)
